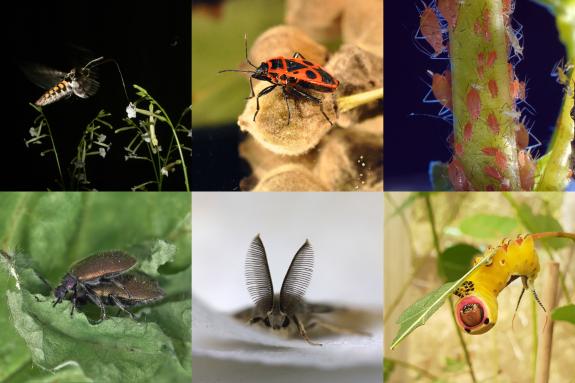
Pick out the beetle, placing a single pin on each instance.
(91, 271)
(125, 290)
(294, 75)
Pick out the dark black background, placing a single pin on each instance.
(412, 142)
(151, 42)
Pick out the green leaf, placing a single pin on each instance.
(455, 261)
(418, 313)
(486, 226)
(41, 343)
(564, 313)
(539, 223)
(439, 176)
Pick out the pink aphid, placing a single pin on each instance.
(493, 123)
(457, 176)
(500, 159)
(492, 172)
(517, 90)
(480, 64)
(481, 26)
(473, 102)
(441, 88)
(527, 169)
(431, 30)
(458, 149)
(521, 136)
(467, 131)
(449, 10)
(491, 57)
(493, 89)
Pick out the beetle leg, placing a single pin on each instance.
(309, 97)
(121, 306)
(284, 91)
(98, 302)
(262, 93)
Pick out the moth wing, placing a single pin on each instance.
(41, 75)
(297, 279)
(88, 85)
(258, 278)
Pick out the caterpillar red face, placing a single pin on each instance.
(476, 309)
(474, 316)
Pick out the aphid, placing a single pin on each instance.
(492, 123)
(286, 312)
(493, 89)
(561, 72)
(476, 309)
(500, 159)
(449, 9)
(467, 131)
(473, 102)
(294, 75)
(91, 271)
(431, 30)
(492, 172)
(457, 176)
(80, 81)
(441, 88)
(521, 136)
(126, 290)
(491, 57)
(527, 170)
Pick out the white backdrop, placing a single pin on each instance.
(345, 230)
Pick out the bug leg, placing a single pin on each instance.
(287, 103)
(337, 329)
(98, 302)
(302, 332)
(121, 306)
(298, 55)
(311, 98)
(252, 94)
(262, 93)
(255, 320)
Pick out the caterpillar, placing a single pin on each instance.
(476, 308)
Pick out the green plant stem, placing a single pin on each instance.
(466, 44)
(413, 367)
(39, 109)
(431, 218)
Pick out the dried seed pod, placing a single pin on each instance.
(290, 178)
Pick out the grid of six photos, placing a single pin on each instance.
(199, 192)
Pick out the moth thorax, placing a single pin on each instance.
(276, 320)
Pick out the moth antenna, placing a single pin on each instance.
(297, 278)
(258, 278)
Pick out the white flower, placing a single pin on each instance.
(164, 171)
(102, 152)
(131, 110)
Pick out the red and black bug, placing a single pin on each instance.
(295, 75)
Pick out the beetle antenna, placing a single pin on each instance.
(246, 46)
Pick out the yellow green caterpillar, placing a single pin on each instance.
(476, 309)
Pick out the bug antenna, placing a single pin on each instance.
(246, 47)
(235, 70)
